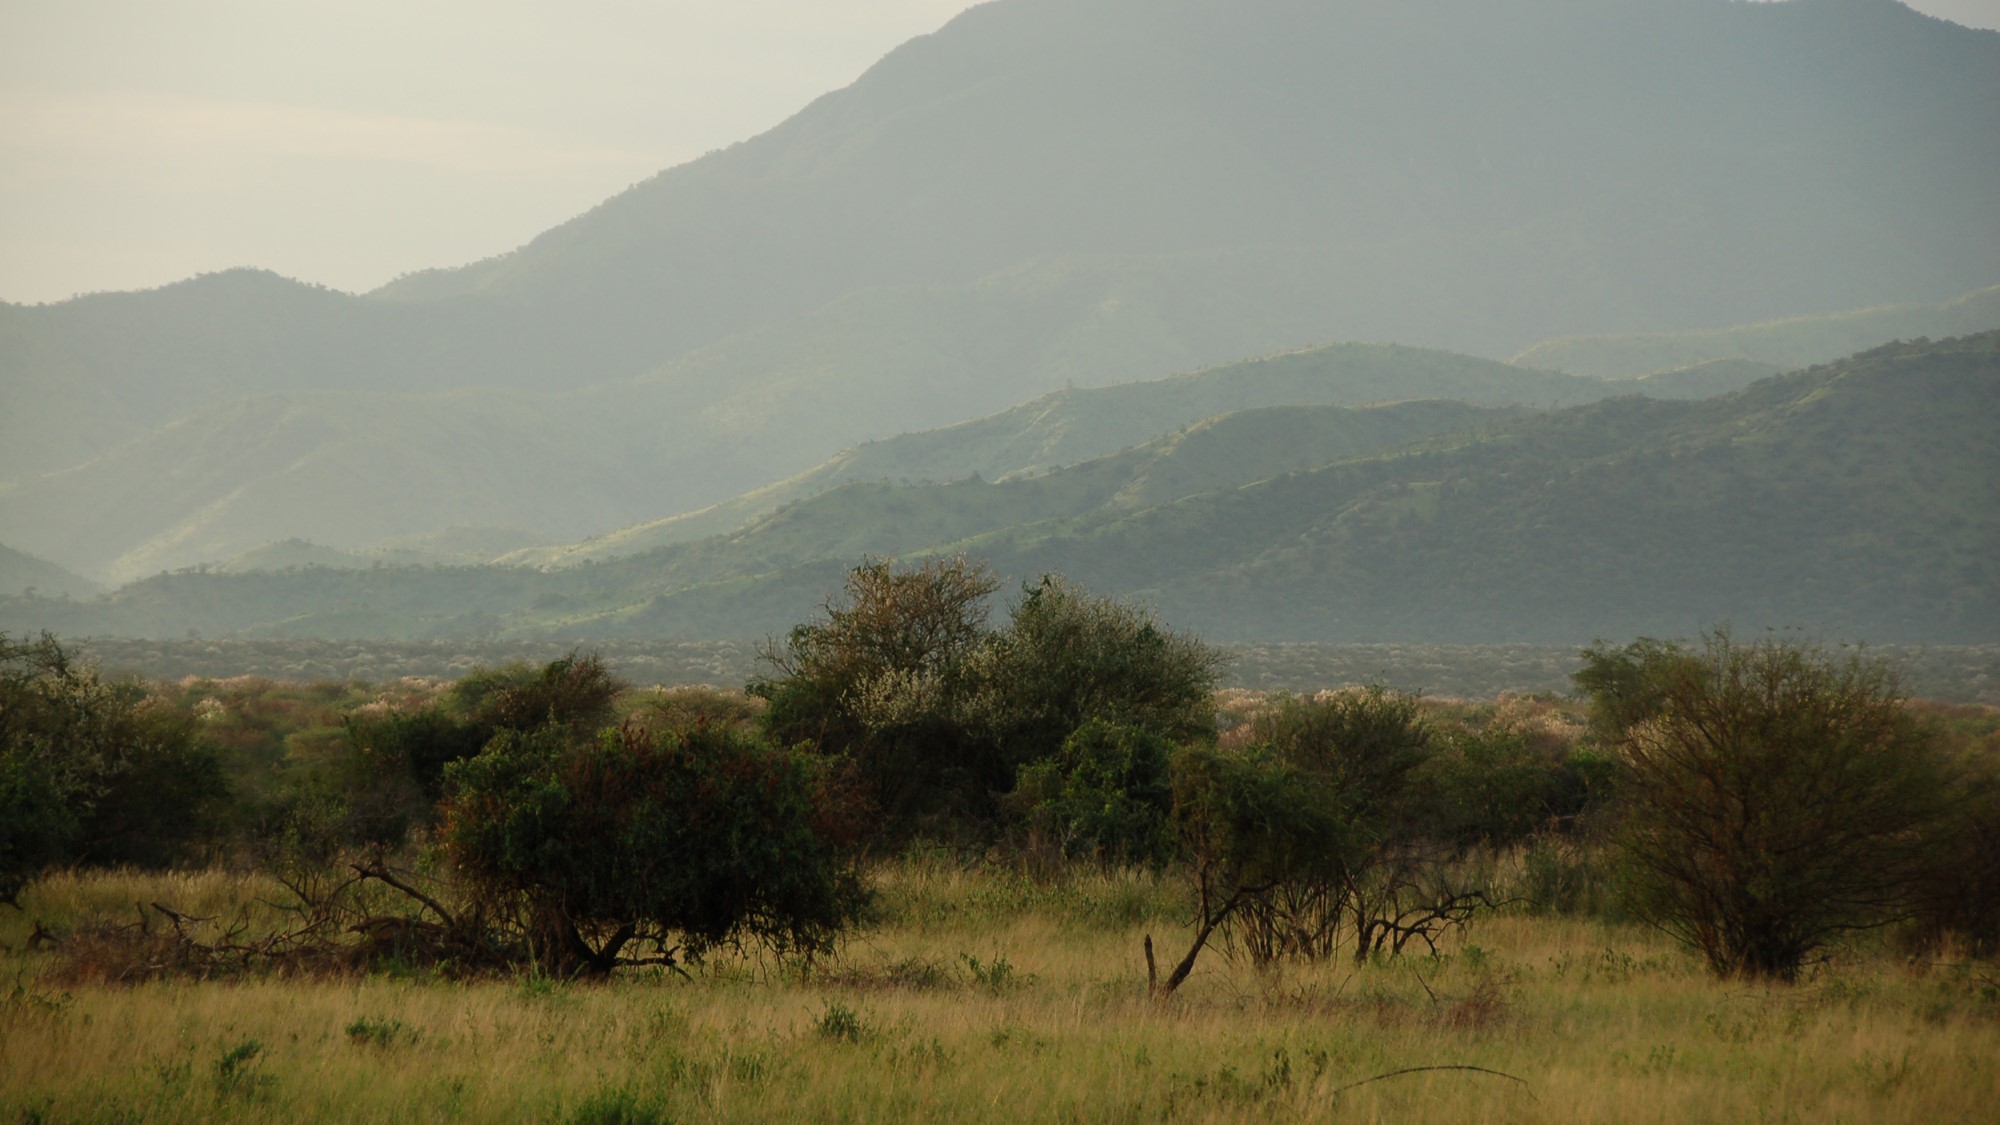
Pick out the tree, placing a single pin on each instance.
(1067, 658)
(940, 713)
(388, 777)
(1392, 883)
(678, 841)
(95, 772)
(1107, 794)
(1249, 822)
(883, 678)
(1774, 797)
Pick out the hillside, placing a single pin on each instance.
(359, 472)
(1081, 423)
(1855, 499)
(1048, 192)
(1785, 344)
(21, 573)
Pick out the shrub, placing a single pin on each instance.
(92, 771)
(1106, 795)
(1250, 822)
(1393, 884)
(883, 678)
(940, 713)
(1068, 658)
(1774, 797)
(681, 841)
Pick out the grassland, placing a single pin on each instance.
(983, 995)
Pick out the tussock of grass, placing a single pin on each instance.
(915, 1020)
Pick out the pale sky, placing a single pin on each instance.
(347, 141)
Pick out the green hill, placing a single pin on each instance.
(1855, 499)
(345, 469)
(1081, 423)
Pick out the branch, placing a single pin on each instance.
(1422, 1069)
(385, 875)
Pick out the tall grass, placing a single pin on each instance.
(983, 995)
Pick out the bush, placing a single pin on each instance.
(940, 713)
(93, 772)
(1107, 795)
(1373, 751)
(883, 679)
(1774, 798)
(681, 841)
(1250, 823)
(1068, 658)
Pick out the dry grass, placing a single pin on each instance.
(983, 996)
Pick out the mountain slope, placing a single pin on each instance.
(1071, 190)
(21, 572)
(1857, 500)
(1518, 163)
(1787, 344)
(1078, 424)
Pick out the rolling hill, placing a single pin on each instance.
(1855, 499)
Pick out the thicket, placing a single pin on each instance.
(94, 772)
(1760, 802)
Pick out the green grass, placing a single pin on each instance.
(917, 1019)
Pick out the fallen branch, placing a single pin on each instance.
(1442, 1066)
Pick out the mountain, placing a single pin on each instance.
(1081, 423)
(1044, 192)
(21, 573)
(346, 469)
(1785, 344)
(1457, 172)
(360, 472)
(1856, 500)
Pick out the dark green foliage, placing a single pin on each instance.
(167, 797)
(38, 827)
(1366, 744)
(1623, 685)
(1107, 795)
(1499, 785)
(387, 776)
(574, 692)
(681, 841)
(884, 679)
(1774, 797)
(1250, 823)
(95, 772)
(1957, 892)
(1413, 795)
(1068, 657)
(939, 712)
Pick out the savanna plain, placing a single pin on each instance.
(983, 994)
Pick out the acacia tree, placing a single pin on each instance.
(1774, 797)
(1392, 883)
(1249, 822)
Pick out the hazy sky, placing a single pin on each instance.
(348, 141)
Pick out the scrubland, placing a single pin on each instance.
(980, 994)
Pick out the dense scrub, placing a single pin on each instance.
(554, 819)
